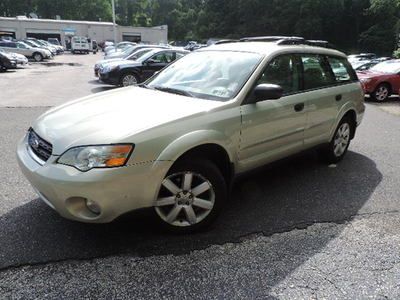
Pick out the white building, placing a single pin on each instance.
(22, 27)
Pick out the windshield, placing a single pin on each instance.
(139, 53)
(128, 49)
(211, 75)
(24, 45)
(391, 67)
(31, 43)
(148, 54)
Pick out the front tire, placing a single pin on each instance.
(129, 79)
(37, 57)
(381, 93)
(191, 196)
(338, 146)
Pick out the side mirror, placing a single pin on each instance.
(264, 92)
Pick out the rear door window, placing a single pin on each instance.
(316, 72)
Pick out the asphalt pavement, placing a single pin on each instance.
(297, 229)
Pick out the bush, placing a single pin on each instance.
(396, 54)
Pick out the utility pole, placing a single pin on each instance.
(114, 24)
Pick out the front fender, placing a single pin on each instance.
(196, 138)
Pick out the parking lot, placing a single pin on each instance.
(297, 229)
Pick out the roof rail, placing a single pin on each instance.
(268, 38)
(225, 41)
(292, 41)
(319, 43)
(283, 40)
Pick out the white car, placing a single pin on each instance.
(19, 58)
(37, 54)
(175, 143)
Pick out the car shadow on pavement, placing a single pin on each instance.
(292, 193)
(102, 89)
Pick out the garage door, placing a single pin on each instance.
(43, 36)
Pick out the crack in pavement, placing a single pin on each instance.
(240, 239)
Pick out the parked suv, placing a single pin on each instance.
(175, 143)
(37, 54)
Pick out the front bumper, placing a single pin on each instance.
(109, 78)
(116, 191)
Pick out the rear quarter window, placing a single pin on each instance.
(342, 69)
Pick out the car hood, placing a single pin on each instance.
(114, 116)
(107, 61)
(124, 62)
(19, 56)
(371, 74)
(115, 55)
(9, 55)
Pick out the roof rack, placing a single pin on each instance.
(225, 41)
(319, 43)
(268, 38)
(288, 40)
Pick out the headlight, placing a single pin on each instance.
(365, 80)
(89, 157)
(109, 68)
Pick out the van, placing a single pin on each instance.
(80, 44)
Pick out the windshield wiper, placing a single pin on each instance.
(173, 91)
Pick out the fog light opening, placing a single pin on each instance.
(93, 207)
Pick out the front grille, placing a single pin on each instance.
(40, 147)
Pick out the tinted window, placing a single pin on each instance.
(341, 69)
(317, 73)
(284, 71)
(9, 45)
(22, 46)
(165, 57)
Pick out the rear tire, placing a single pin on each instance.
(337, 148)
(191, 196)
(381, 93)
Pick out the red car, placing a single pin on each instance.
(381, 80)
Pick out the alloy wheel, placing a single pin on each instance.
(342, 139)
(185, 199)
(37, 57)
(129, 80)
(381, 93)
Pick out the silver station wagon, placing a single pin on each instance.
(175, 143)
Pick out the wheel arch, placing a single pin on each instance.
(207, 144)
(125, 71)
(346, 111)
(353, 117)
(388, 84)
(37, 52)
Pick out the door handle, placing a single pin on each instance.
(338, 97)
(299, 107)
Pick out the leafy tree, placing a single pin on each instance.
(352, 25)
